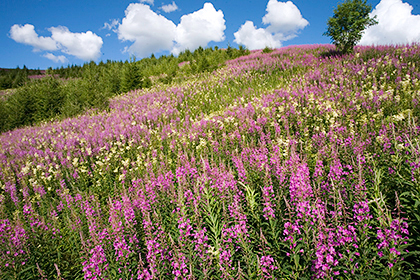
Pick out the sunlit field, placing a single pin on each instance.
(284, 164)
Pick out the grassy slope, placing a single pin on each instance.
(284, 165)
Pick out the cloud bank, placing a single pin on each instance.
(86, 46)
(151, 32)
(284, 21)
(396, 24)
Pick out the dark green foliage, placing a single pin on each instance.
(267, 50)
(204, 65)
(34, 102)
(5, 82)
(48, 98)
(131, 77)
(347, 24)
(12, 78)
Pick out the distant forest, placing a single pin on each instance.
(12, 78)
(43, 95)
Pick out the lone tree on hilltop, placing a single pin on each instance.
(347, 24)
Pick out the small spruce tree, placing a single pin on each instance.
(347, 24)
(131, 76)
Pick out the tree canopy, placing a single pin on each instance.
(347, 24)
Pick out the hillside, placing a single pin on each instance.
(284, 164)
(67, 92)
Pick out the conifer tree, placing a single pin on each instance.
(132, 77)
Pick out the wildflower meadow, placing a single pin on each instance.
(291, 163)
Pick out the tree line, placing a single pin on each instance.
(68, 91)
(13, 78)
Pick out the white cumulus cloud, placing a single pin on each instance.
(199, 28)
(396, 24)
(283, 20)
(254, 38)
(86, 46)
(170, 7)
(149, 31)
(26, 35)
(56, 58)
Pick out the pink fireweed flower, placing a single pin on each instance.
(10, 188)
(144, 275)
(390, 238)
(361, 211)
(267, 264)
(268, 195)
(240, 168)
(14, 237)
(185, 228)
(225, 259)
(318, 169)
(200, 241)
(129, 215)
(122, 249)
(300, 188)
(95, 265)
(180, 266)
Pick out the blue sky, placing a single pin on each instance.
(51, 33)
